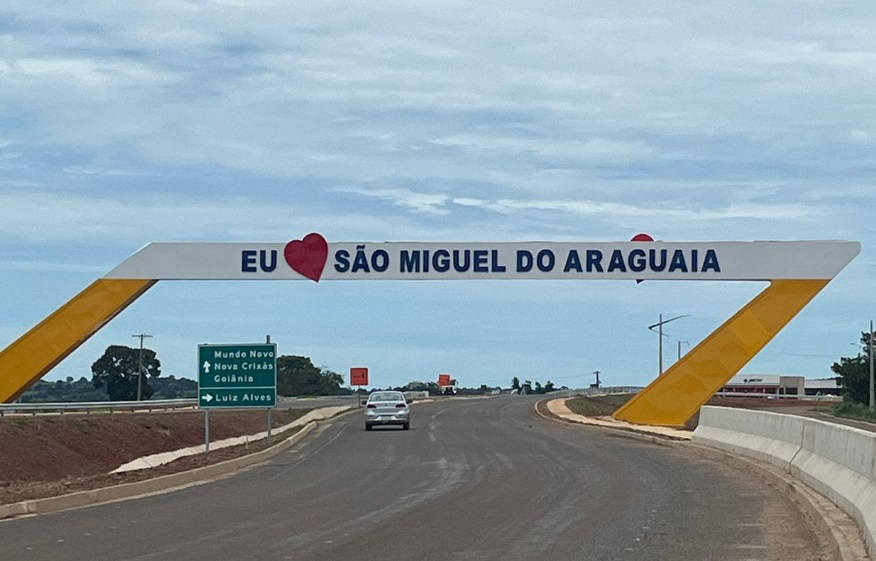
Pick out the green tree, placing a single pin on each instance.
(515, 383)
(117, 371)
(297, 375)
(549, 387)
(853, 374)
(172, 387)
(417, 386)
(76, 391)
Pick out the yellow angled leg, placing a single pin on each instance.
(673, 398)
(36, 352)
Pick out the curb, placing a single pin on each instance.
(161, 458)
(841, 533)
(644, 436)
(162, 484)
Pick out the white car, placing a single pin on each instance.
(387, 408)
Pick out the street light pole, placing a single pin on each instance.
(660, 362)
(659, 325)
(141, 336)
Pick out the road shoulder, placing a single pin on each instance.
(840, 532)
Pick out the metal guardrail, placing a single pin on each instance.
(608, 390)
(88, 407)
(589, 392)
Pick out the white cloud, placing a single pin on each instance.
(438, 204)
(541, 88)
(468, 201)
(418, 202)
(91, 77)
(90, 170)
(591, 149)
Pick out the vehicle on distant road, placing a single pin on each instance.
(387, 408)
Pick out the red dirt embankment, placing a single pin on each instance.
(50, 455)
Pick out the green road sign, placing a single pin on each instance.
(237, 375)
(258, 397)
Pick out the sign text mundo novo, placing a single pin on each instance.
(237, 375)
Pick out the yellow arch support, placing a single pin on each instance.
(673, 398)
(36, 352)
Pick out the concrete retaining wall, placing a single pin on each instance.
(768, 437)
(837, 461)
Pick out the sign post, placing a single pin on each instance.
(268, 341)
(236, 376)
(358, 377)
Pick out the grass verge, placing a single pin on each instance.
(852, 410)
(598, 406)
(606, 405)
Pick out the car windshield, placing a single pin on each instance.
(393, 396)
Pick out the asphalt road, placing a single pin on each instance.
(472, 479)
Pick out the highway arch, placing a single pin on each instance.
(796, 271)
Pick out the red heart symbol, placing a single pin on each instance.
(307, 256)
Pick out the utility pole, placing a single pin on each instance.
(659, 325)
(679, 347)
(597, 377)
(141, 336)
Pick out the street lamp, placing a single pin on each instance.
(679, 347)
(659, 325)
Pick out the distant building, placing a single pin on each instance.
(773, 384)
(823, 386)
(765, 384)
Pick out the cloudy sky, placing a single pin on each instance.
(122, 124)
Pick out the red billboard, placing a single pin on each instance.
(358, 376)
(443, 379)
